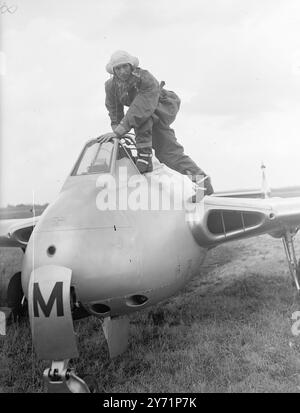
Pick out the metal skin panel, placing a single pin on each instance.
(134, 260)
(103, 261)
(50, 313)
(169, 255)
(114, 254)
(76, 208)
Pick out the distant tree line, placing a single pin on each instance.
(29, 206)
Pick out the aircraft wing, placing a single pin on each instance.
(16, 232)
(283, 192)
(220, 219)
(254, 193)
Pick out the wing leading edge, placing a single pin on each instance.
(16, 232)
(218, 220)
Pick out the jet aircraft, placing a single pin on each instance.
(115, 242)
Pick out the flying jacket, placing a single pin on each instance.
(144, 97)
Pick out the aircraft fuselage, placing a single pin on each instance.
(120, 260)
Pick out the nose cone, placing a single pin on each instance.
(98, 246)
(76, 208)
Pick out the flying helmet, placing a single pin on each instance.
(121, 57)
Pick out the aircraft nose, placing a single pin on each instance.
(103, 261)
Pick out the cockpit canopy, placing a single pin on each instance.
(99, 158)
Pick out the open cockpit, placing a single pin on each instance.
(108, 157)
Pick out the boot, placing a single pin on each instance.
(202, 181)
(144, 160)
(208, 186)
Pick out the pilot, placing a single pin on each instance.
(151, 110)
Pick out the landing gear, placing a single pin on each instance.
(12, 299)
(61, 379)
(294, 266)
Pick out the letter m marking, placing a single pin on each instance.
(56, 295)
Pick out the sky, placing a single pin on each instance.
(234, 63)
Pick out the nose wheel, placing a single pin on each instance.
(61, 379)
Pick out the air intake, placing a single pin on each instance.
(99, 309)
(222, 222)
(224, 219)
(136, 300)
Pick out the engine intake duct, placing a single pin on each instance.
(219, 219)
(223, 222)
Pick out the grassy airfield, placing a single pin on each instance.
(228, 331)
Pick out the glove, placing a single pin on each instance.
(107, 137)
(208, 186)
(202, 180)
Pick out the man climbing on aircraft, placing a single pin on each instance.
(151, 111)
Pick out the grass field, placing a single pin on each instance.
(22, 211)
(228, 331)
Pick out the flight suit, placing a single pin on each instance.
(151, 110)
